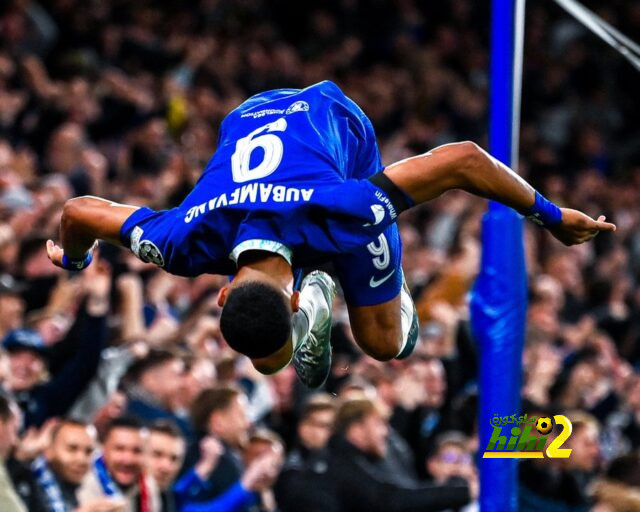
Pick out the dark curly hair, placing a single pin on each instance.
(256, 319)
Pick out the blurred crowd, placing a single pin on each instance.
(118, 391)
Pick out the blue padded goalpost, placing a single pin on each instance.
(499, 295)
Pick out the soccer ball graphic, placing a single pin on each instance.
(544, 425)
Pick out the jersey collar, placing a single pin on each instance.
(258, 244)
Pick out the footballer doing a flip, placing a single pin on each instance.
(297, 181)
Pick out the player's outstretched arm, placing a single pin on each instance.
(466, 166)
(85, 220)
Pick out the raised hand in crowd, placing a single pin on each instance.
(96, 284)
(64, 296)
(35, 441)
(210, 451)
(263, 471)
(131, 293)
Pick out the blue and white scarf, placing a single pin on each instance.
(109, 487)
(49, 485)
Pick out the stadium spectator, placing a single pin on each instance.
(247, 493)
(165, 457)
(199, 374)
(119, 473)
(303, 483)
(11, 304)
(421, 420)
(628, 419)
(152, 382)
(360, 477)
(166, 453)
(115, 360)
(9, 425)
(453, 458)
(266, 445)
(60, 456)
(221, 413)
(282, 413)
(41, 397)
(564, 483)
(68, 458)
(617, 490)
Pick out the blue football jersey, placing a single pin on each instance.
(289, 176)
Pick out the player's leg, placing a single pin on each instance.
(311, 333)
(381, 311)
(377, 329)
(388, 330)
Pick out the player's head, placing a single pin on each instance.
(256, 318)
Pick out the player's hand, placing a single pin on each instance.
(577, 228)
(55, 253)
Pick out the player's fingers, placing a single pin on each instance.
(601, 225)
(51, 250)
(54, 253)
(605, 226)
(49, 247)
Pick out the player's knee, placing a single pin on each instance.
(384, 346)
(384, 352)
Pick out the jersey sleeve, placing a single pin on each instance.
(148, 234)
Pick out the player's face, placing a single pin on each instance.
(165, 457)
(124, 454)
(69, 454)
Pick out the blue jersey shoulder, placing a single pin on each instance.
(322, 94)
